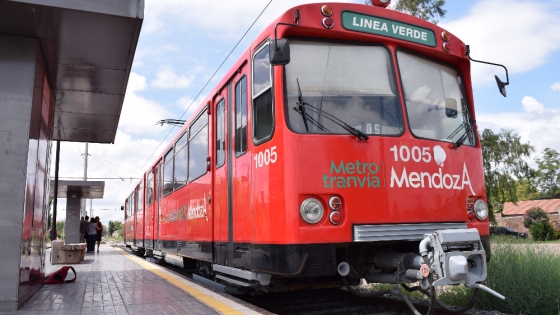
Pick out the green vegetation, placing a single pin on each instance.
(60, 229)
(118, 239)
(527, 275)
(424, 9)
(504, 164)
(537, 221)
(115, 226)
(548, 173)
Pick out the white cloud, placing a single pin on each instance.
(139, 114)
(519, 34)
(538, 125)
(186, 103)
(555, 86)
(126, 159)
(168, 79)
(530, 104)
(218, 18)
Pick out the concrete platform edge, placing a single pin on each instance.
(209, 298)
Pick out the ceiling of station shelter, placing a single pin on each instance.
(79, 189)
(88, 48)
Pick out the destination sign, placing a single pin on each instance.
(385, 27)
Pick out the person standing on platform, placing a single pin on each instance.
(99, 228)
(83, 227)
(91, 235)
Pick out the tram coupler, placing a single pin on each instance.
(456, 257)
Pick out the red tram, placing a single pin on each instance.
(341, 145)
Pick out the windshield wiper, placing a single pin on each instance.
(302, 110)
(467, 125)
(301, 106)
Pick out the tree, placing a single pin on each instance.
(60, 229)
(110, 228)
(49, 215)
(526, 190)
(115, 226)
(428, 10)
(504, 163)
(548, 173)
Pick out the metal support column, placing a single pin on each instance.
(56, 168)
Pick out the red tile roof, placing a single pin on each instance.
(548, 205)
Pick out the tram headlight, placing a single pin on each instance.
(480, 209)
(311, 210)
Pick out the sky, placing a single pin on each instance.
(183, 43)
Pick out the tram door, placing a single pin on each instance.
(149, 213)
(139, 228)
(232, 211)
(157, 198)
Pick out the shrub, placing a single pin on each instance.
(542, 231)
(534, 215)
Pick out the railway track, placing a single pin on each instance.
(313, 302)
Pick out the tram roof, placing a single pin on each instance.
(88, 47)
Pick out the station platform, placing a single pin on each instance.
(114, 281)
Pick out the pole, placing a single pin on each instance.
(85, 164)
(85, 178)
(56, 167)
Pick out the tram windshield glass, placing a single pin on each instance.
(435, 103)
(354, 83)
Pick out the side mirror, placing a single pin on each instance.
(122, 208)
(279, 52)
(501, 86)
(451, 108)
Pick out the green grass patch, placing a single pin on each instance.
(525, 272)
(527, 275)
(512, 240)
(117, 239)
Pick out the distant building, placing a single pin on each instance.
(512, 215)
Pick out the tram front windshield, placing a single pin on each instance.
(354, 83)
(435, 101)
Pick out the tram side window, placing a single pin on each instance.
(198, 147)
(149, 189)
(263, 118)
(159, 182)
(139, 195)
(241, 117)
(220, 134)
(181, 159)
(168, 173)
(130, 206)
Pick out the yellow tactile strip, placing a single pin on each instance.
(211, 299)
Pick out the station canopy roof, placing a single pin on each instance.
(88, 48)
(79, 188)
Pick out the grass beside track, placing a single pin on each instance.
(525, 272)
